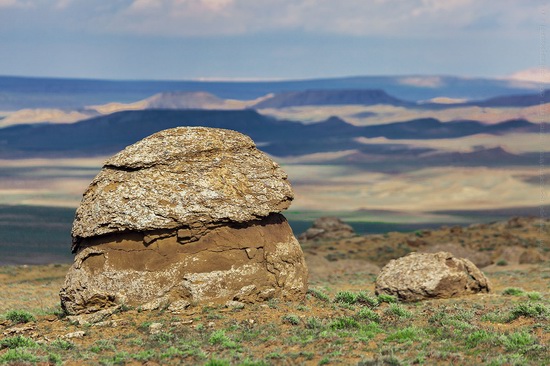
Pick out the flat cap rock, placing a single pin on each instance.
(419, 276)
(185, 176)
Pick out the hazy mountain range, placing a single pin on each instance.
(275, 102)
(19, 93)
(106, 135)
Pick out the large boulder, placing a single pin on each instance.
(327, 228)
(185, 216)
(419, 276)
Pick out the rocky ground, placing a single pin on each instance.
(519, 240)
(341, 321)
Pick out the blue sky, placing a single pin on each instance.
(269, 39)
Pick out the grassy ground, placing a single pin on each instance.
(339, 322)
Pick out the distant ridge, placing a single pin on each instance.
(403, 160)
(331, 97)
(431, 128)
(35, 92)
(504, 101)
(182, 100)
(106, 135)
(522, 100)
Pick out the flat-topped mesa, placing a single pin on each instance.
(184, 216)
(182, 177)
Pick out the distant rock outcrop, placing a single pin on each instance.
(327, 228)
(420, 276)
(330, 97)
(183, 100)
(187, 215)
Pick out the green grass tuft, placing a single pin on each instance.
(313, 323)
(346, 297)
(368, 314)
(144, 355)
(513, 291)
(216, 362)
(517, 341)
(364, 298)
(62, 344)
(529, 310)
(344, 323)
(19, 316)
(404, 335)
(18, 341)
(318, 294)
(18, 356)
(291, 319)
(390, 299)
(219, 337)
(398, 311)
(535, 296)
(480, 337)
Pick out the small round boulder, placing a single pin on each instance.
(329, 228)
(420, 276)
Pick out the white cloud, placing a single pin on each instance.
(351, 17)
(388, 18)
(7, 3)
(140, 5)
(422, 81)
(63, 4)
(14, 3)
(188, 6)
(535, 74)
(217, 5)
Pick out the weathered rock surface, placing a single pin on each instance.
(515, 254)
(185, 178)
(327, 228)
(185, 216)
(420, 276)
